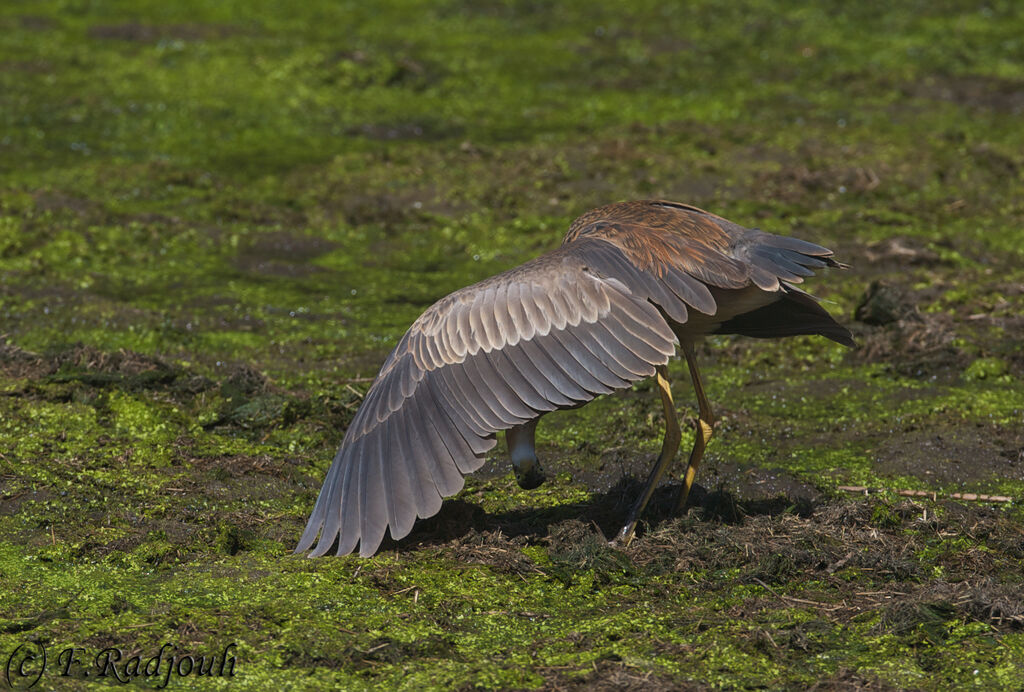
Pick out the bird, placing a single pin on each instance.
(630, 283)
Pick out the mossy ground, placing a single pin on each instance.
(217, 217)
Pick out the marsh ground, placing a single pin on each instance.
(217, 218)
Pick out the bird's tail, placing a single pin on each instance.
(796, 313)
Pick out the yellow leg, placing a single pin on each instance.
(705, 427)
(669, 447)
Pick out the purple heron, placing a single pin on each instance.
(606, 309)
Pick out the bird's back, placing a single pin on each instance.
(748, 274)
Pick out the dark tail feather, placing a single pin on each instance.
(796, 313)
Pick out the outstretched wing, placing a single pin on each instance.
(551, 333)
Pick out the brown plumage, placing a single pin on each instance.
(600, 312)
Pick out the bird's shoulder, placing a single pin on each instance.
(658, 236)
(655, 222)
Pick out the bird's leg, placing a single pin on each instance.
(669, 447)
(523, 456)
(705, 427)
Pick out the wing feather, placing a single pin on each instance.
(453, 349)
(460, 458)
(433, 349)
(428, 499)
(619, 360)
(349, 505)
(522, 328)
(403, 477)
(542, 299)
(444, 468)
(373, 517)
(466, 420)
(543, 383)
(625, 331)
(534, 315)
(409, 493)
(513, 380)
(502, 320)
(561, 313)
(691, 291)
(561, 378)
(576, 371)
(592, 362)
(643, 321)
(465, 389)
(493, 391)
(478, 337)
(464, 330)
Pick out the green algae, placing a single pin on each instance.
(216, 219)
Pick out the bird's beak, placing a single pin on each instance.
(529, 474)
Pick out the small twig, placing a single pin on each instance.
(819, 604)
(401, 591)
(969, 497)
(770, 638)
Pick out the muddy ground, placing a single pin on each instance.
(217, 219)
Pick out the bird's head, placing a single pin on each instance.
(523, 455)
(529, 474)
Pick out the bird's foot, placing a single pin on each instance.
(625, 536)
